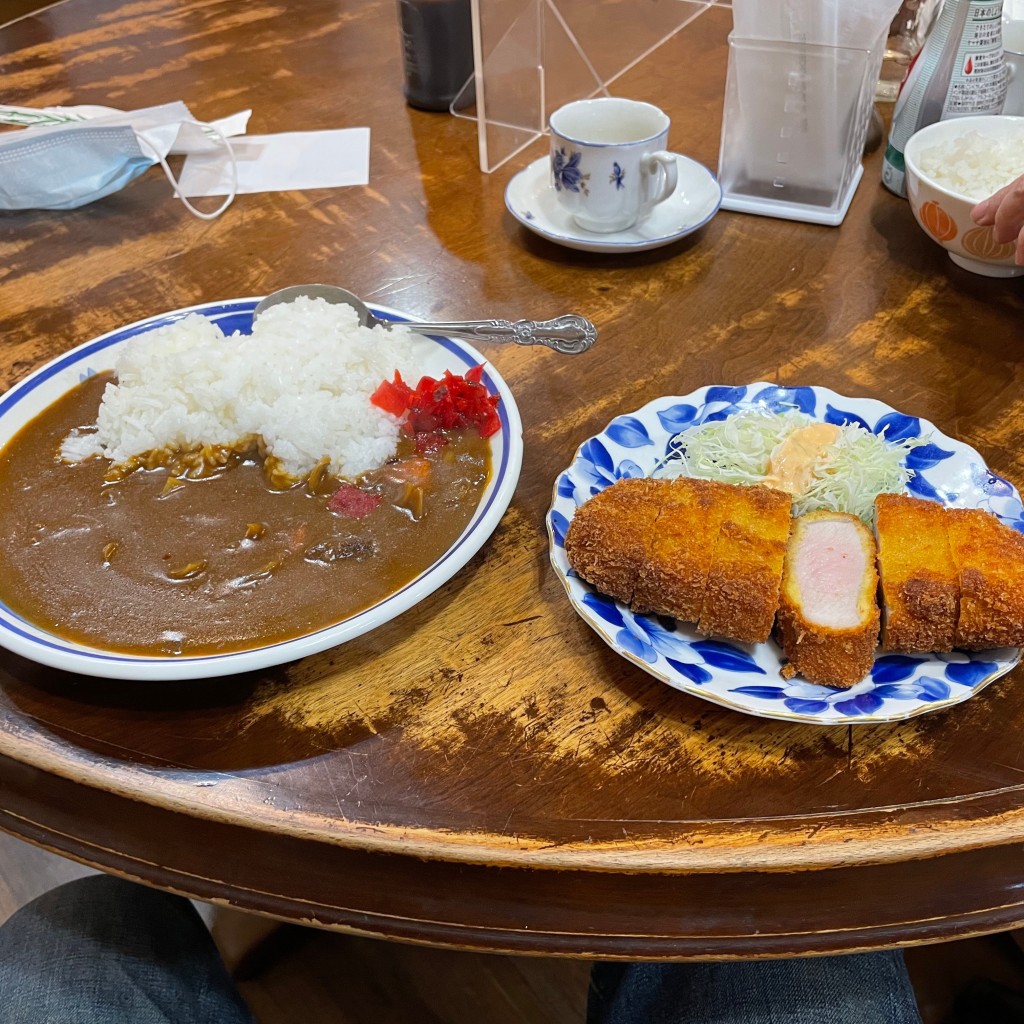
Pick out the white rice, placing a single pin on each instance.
(974, 165)
(301, 383)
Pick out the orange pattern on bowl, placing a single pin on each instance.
(937, 222)
(981, 243)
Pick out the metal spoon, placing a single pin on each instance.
(568, 334)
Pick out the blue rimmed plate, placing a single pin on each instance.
(747, 677)
(435, 355)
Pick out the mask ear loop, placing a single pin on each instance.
(169, 174)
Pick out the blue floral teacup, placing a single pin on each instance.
(609, 162)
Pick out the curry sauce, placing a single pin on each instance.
(157, 565)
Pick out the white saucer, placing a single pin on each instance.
(531, 200)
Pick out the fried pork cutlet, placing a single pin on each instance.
(698, 550)
(828, 619)
(989, 557)
(675, 575)
(920, 584)
(742, 592)
(608, 540)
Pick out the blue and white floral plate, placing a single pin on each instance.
(748, 677)
(530, 198)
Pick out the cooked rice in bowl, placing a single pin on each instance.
(974, 164)
(951, 166)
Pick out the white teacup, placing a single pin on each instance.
(609, 162)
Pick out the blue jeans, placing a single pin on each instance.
(861, 988)
(100, 950)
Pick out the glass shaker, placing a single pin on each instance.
(906, 37)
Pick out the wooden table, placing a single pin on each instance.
(484, 772)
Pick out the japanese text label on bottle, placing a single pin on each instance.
(959, 72)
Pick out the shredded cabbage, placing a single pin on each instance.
(738, 450)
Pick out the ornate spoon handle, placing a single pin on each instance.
(569, 334)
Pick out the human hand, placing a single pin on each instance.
(1004, 212)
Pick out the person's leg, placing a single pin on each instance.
(100, 950)
(868, 988)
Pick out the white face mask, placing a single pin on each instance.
(68, 165)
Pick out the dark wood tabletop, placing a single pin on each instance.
(483, 771)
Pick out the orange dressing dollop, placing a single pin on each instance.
(792, 463)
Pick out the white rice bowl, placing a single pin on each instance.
(300, 383)
(950, 165)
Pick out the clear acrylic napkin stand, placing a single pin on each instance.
(532, 56)
(794, 125)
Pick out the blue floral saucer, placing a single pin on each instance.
(530, 198)
(748, 677)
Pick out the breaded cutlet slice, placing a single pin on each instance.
(742, 592)
(610, 535)
(989, 557)
(920, 583)
(828, 618)
(675, 574)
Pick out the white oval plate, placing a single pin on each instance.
(747, 677)
(32, 395)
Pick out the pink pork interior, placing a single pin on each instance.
(829, 567)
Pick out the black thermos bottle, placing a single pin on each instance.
(437, 49)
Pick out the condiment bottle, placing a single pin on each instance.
(437, 50)
(959, 72)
